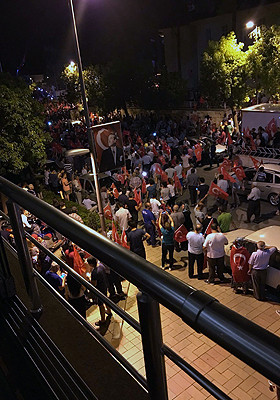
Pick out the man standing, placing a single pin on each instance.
(225, 219)
(192, 182)
(254, 206)
(167, 241)
(195, 247)
(258, 264)
(214, 245)
(178, 219)
(223, 184)
(135, 238)
(122, 216)
(150, 224)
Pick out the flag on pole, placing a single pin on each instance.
(180, 234)
(256, 162)
(108, 212)
(115, 191)
(198, 151)
(121, 178)
(177, 182)
(239, 172)
(137, 196)
(229, 139)
(154, 151)
(115, 235)
(162, 160)
(124, 240)
(144, 187)
(227, 176)
(208, 229)
(78, 263)
(215, 190)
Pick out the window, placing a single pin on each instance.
(269, 178)
(208, 34)
(277, 178)
(88, 186)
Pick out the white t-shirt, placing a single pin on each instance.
(185, 158)
(172, 190)
(122, 216)
(214, 244)
(155, 205)
(195, 242)
(178, 169)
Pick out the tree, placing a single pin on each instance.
(95, 88)
(264, 60)
(224, 72)
(70, 77)
(22, 137)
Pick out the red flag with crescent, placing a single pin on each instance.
(154, 151)
(256, 162)
(227, 176)
(164, 176)
(124, 170)
(162, 160)
(271, 127)
(239, 258)
(124, 240)
(108, 212)
(177, 182)
(139, 140)
(121, 178)
(115, 235)
(144, 187)
(78, 263)
(208, 229)
(246, 133)
(239, 172)
(198, 151)
(115, 191)
(215, 190)
(180, 234)
(137, 196)
(158, 170)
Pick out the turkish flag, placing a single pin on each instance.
(124, 170)
(162, 160)
(229, 139)
(108, 212)
(154, 151)
(227, 176)
(158, 170)
(239, 172)
(137, 196)
(198, 151)
(164, 176)
(239, 258)
(255, 162)
(124, 240)
(246, 133)
(78, 263)
(177, 182)
(115, 191)
(272, 126)
(144, 187)
(115, 234)
(180, 234)
(208, 229)
(121, 178)
(142, 151)
(227, 164)
(215, 190)
(139, 140)
(168, 150)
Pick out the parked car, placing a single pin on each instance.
(271, 236)
(270, 188)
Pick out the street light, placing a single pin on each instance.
(88, 125)
(250, 24)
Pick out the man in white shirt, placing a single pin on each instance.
(122, 216)
(170, 171)
(254, 206)
(155, 206)
(214, 245)
(185, 158)
(195, 247)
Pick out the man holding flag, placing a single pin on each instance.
(195, 248)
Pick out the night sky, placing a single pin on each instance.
(40, 31)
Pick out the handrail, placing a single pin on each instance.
(249, 342)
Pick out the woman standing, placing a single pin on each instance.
(167, 241)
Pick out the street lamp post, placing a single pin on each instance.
(88, 125)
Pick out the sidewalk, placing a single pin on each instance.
(227, 372)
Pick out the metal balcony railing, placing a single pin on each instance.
(249, 342)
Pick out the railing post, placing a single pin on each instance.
(149, 316)
(24, 259)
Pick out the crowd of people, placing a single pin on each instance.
(145, 202)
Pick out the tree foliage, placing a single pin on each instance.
(224, 71)
(22, 138)
(264, 59)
